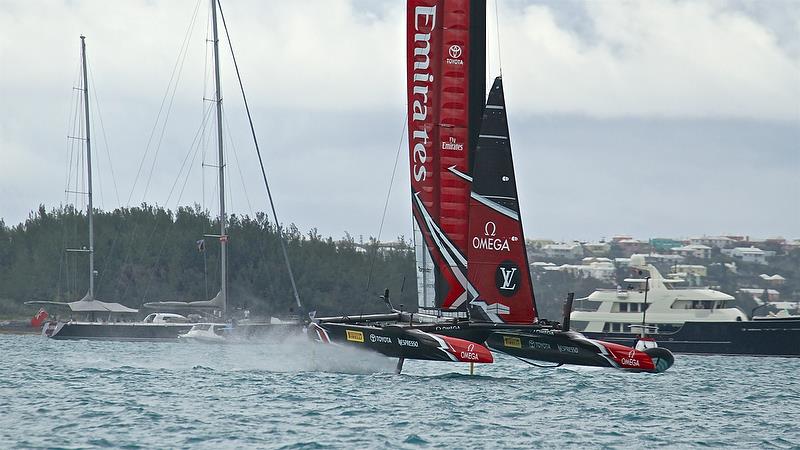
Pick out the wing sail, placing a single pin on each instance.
(498, 262)
(445, 79)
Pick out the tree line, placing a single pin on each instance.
(148, 253)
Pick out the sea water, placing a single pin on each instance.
(84, 394)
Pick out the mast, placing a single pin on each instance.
(223, 238)
(89, 169)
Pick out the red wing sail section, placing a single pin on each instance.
(498, 262)
(423, 45)
(439, 87)
(453, 142)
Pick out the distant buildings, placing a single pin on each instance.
(712, 241)
(632, 246)
(591, 267)
(774, 280)
(690, 269)
(565, 251)
(597, 249)
(694, 250)
(658, 258)
(664, 244)
(694, 274)
(772, 294)
(732, 261)
(749, 254)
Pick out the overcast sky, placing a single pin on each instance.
(650, 118)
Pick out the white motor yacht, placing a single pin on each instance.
(660, 301)
(681, 319)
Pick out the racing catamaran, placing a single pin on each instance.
(473, 281)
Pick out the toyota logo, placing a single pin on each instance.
(455, 51)
(372, 338)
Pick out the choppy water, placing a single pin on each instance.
(173, 395)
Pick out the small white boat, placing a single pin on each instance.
(208, 332)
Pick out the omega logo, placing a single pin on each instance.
(490, 229)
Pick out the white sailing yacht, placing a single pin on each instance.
(96, 319)
(164, 325)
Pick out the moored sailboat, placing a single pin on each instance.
(97, 318)
(219, 304)
(214, 309)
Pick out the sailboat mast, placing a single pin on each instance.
(223, 239)
(89, 209)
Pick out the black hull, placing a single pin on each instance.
(115, 331)
(767, 337)
(553, 346)
(568, 347)
(402, 341)
(529, 342)
(149, 332)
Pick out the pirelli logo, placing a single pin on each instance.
(510, 341)
(355, 336)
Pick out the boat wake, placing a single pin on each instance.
(291, 354)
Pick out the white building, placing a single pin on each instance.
(655, 258)
(693, 274)
(691, 269)
(694, 250)
(749, 254)
(773, 279)
(597, 248)
(570, 251)
(602, 270)
(622, 262)
(712, 241)
(772, 294)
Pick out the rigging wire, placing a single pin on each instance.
(497, 29)
(106, 147)
(385, 209)
(260, 160)
(193, 151)
(177, 178)
(232, 146)
(103, 132)
(386, 202)
(80, 186)
(71, 130)
(204, 144)
(72, 114)
(72, 118)
(178, 67)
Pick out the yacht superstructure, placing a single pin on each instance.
(683, 320)
(663, 305)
